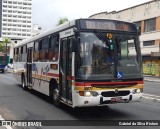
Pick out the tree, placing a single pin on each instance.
(3, 45)
(62, 20)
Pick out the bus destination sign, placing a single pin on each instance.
(107, 25)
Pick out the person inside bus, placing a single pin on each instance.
(102, 58)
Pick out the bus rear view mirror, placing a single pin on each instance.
(139, 30)
(75, 45)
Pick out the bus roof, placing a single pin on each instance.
(56, 29)
(71, 24)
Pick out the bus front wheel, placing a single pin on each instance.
(56, 97)
(24, 83)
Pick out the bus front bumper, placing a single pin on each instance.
(82, 101)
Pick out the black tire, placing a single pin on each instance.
(56, 97)
(54, 93)
(24, 83)
(2, 71)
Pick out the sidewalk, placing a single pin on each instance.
(152, 79)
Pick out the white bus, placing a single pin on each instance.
(84, 62)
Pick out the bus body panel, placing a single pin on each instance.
(100, 100)
(42, 74)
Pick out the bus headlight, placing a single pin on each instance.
(88, 94)
(136, 91)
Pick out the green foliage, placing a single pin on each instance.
(62, 20)
(3, 44)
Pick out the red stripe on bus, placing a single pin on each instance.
(115, 83)
(79, 83)
(107, 83)
(57, 75)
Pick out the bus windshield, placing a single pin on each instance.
(100, 58)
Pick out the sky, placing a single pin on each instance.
(46, 13)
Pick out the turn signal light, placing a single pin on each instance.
(81, 93)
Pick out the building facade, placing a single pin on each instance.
(147, 17)
(36, 30)
(15, 19)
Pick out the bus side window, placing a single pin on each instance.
(24, 54)
(44, 49)
(36, 51)
(53, 49)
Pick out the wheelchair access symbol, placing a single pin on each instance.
(119, 75)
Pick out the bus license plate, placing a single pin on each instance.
(116, 99)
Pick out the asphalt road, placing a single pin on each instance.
(152, 88)
(17, 104)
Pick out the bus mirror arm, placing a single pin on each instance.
(139, 30)
(75, 45)
(75, 41)
(75, 30)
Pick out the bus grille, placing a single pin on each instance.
(113, 94)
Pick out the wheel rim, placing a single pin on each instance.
(55, 94)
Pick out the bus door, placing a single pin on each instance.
(66, 70)
(29, 67)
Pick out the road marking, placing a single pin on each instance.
(152, 80)
(6, 127)
(151, 97)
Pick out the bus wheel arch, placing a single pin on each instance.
(54, 92)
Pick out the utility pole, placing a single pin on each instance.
(6, 54)
(6, 48)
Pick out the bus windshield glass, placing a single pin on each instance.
(100, 58)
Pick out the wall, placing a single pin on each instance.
(151, 67)
(158, 23)
(139, 13)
